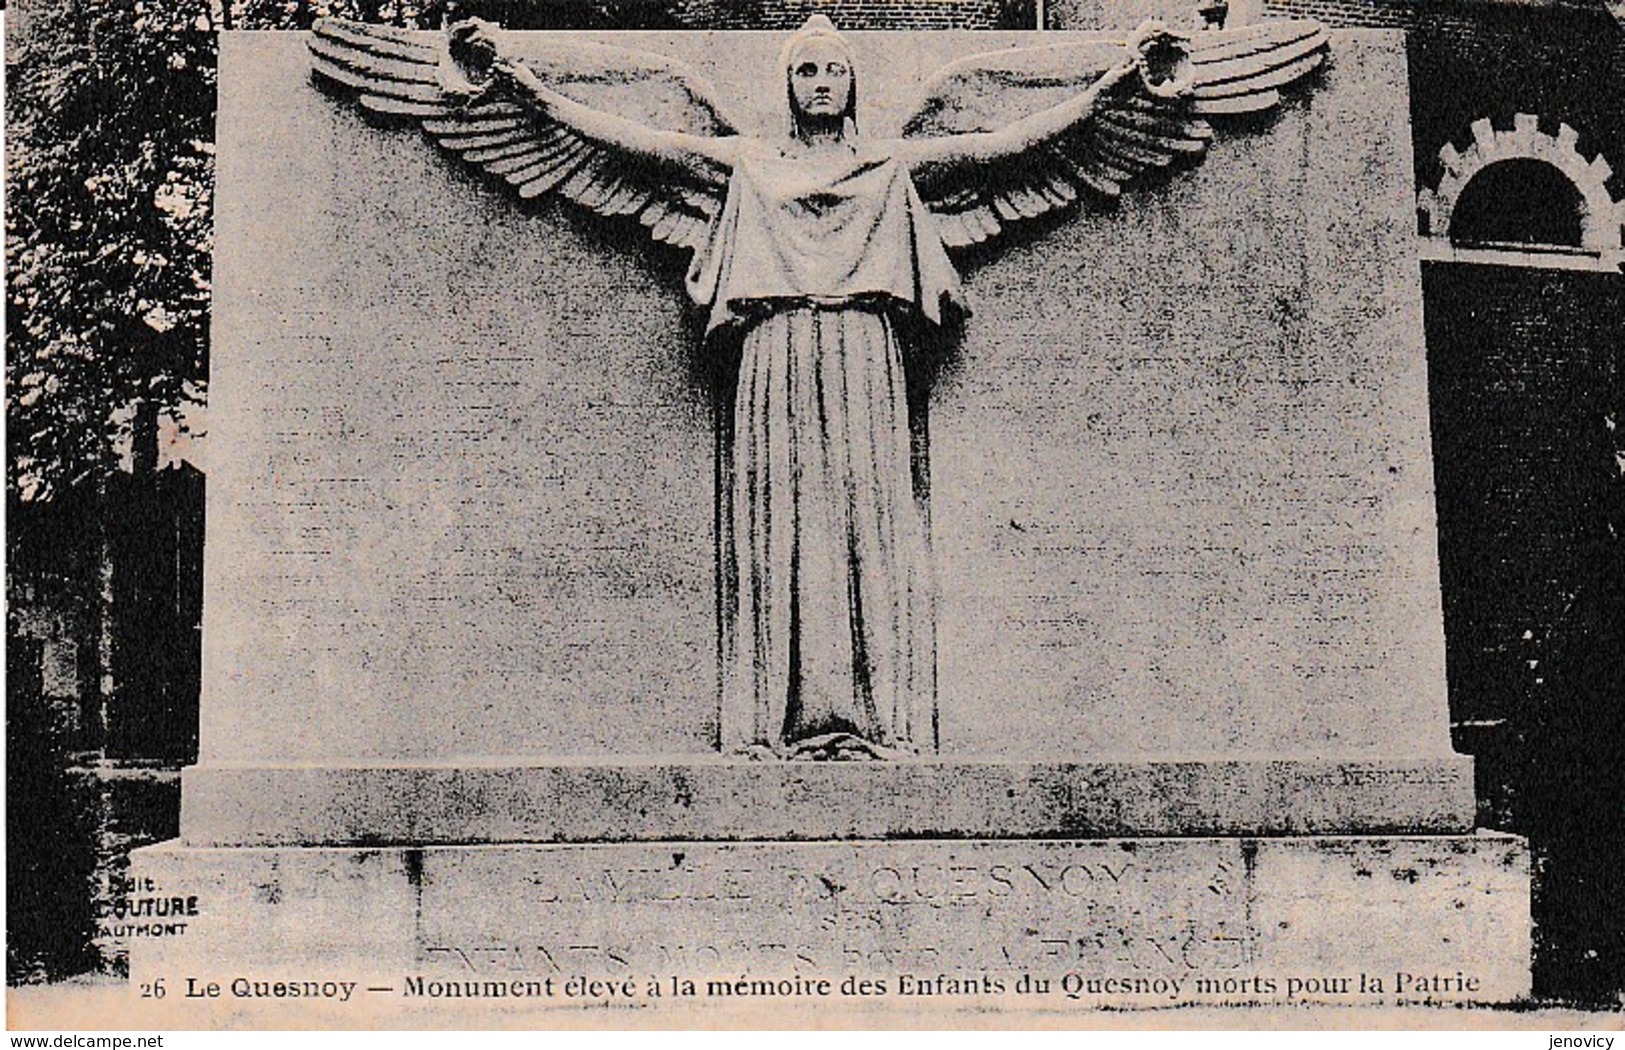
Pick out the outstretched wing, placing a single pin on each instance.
(1132, 132)
(404, 74)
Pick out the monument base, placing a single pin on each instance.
(1006, 924)
(717, 799)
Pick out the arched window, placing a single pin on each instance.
(1520, 196)
(1518, 202)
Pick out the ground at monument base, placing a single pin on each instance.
(1006, 925)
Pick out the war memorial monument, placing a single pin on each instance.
(863, 520)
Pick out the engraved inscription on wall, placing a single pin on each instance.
(1118, 907)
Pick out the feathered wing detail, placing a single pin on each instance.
(1131, 133)
(406, 74)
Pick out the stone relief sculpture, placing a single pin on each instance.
(819, 250)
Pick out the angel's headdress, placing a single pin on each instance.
(818, 27)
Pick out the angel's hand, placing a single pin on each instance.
(1163, 59)
(472, 47)
(474, 41)
(1147, 29)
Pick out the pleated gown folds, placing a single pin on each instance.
(830, 621)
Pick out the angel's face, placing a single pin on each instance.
(821, 80)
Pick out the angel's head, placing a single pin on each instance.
(821, 87)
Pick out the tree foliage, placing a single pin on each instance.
(299, 14)
(110, 121)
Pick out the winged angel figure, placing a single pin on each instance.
(819, 250)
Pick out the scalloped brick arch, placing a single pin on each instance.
(1601, 216)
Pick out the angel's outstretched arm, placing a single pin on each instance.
(706, 157)
(1016, 138)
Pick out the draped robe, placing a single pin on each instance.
(829, 624)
